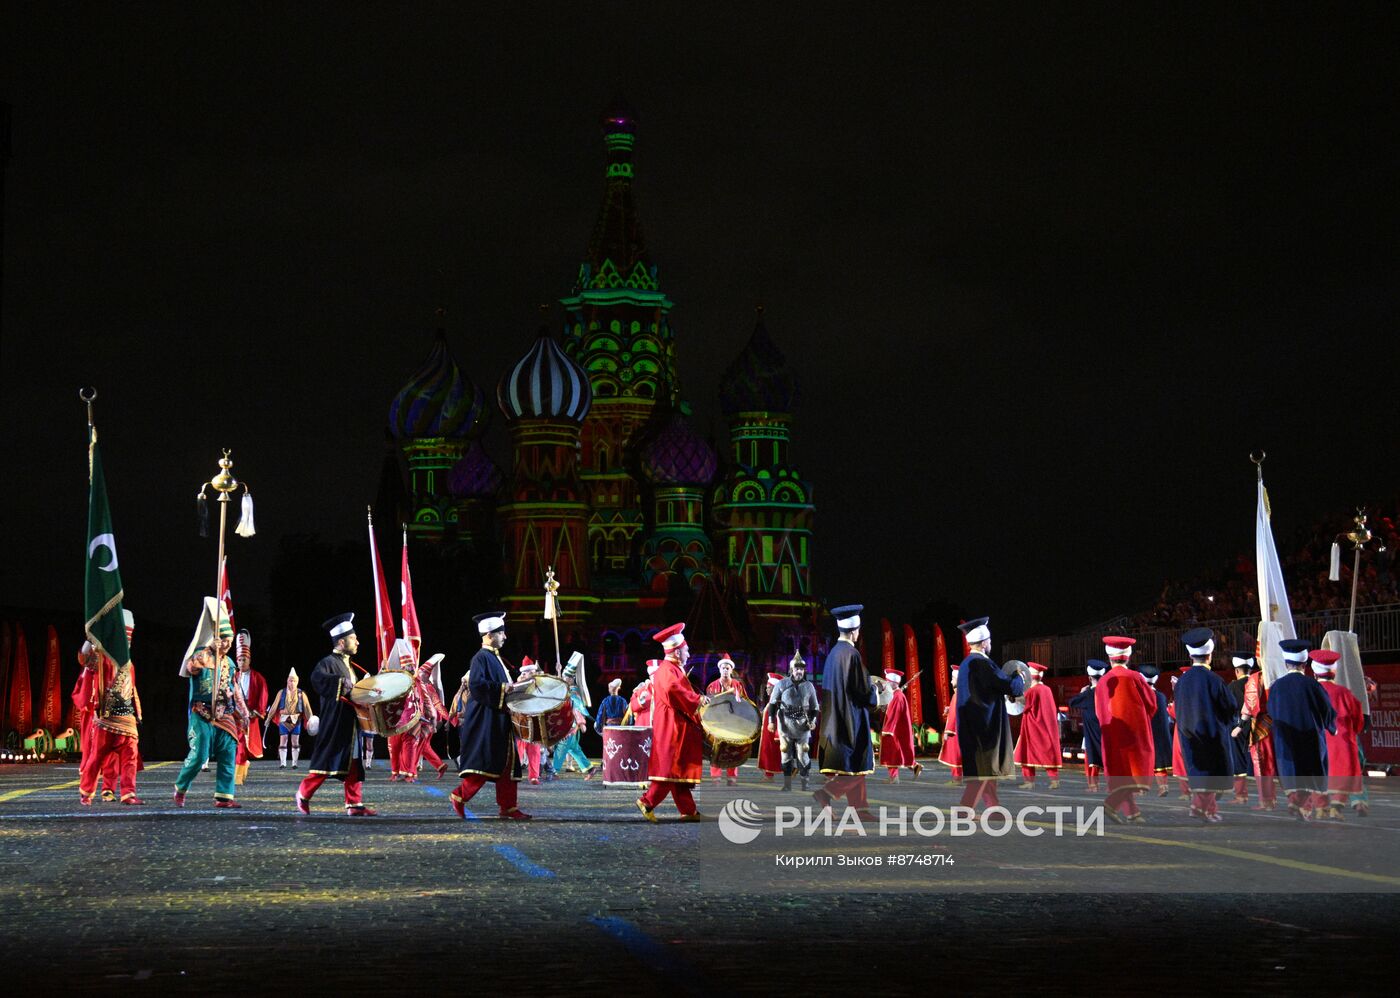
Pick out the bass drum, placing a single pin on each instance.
(626, 755)
(542, 712)
(731, 724)
(383, 703)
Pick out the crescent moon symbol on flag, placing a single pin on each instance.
(104, 541)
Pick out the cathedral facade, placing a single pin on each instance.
(641, 520)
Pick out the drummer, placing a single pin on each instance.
(639, 706)
(678, 741)
(613, 708)
(487, 733)
(338, 747)
(726, 683)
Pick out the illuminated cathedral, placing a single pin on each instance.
(609, 484)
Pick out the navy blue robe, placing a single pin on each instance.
(610, 711)
(984, 730)
(1161, 735)
(1083, 701)
(1302, 714)
(1205, 713)
(848, 696)
(486, 732)
(338, 740)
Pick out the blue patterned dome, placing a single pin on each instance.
(758, 380)
(545, 384)
(676, 455)
(438, 401)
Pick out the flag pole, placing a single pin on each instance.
(1359, 535)
(551, 609)
(224, 484)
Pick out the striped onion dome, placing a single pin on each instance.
(545, 384)
(438, 401)
(475, 475)
(676, 455)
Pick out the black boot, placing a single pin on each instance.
(805, 770)
(787, 776)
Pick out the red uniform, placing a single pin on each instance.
(85, 701)
(770, 753)
(113, 728)
(1178, 763)
(639, 704)
(677, 760)
(897, 735)
(251, 743)
(1038, 746)
(1125, 705)
(719, 686)
(951, 754)
(1261, 741)
(1344, 776)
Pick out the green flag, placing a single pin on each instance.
(105, 626)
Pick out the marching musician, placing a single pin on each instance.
(111, 710)
(949, 753)
(1161, 732)
(568, 748)
(897, 732)
(770, 753)
(218, 716)
(1038, 745)
(1257, 726)
(1239, 739)
(1204, 717)
(428, 679)
(984, 730)
(726, 683)
(1303, 718)
(1344, 775)
(1092, 743)
(844, 748)
(254, 689)
(337, 755)
(639, 705)
(613, 708)
(485, 728)
(1125, 705)
(678, 739)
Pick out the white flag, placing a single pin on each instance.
(1275, 617)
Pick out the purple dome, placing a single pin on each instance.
(758, 380)
(675, 455)
(438, 401)
(475, 475)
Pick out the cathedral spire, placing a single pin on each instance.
(617, 255)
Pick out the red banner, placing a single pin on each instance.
(913, 681)
(4, 676)
(886, 646)
(51, 709)
(941, 679)
(408, 612)
(383, 612)
(225, 595)
(21, 712)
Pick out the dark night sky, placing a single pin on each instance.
(1046, 275)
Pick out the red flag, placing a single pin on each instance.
(225, 595)
(886, 646)
(940, 670)
(913, 686)
(21, 713)
(4, 676)
(408, 614)
(383, 612)
(51, 709)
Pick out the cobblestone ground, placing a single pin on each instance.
(589, 898)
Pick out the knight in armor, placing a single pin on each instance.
(793, 704)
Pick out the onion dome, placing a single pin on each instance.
(676, 455)
(758, 380)
(545, 384)
(475, 475)
(438, 401)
